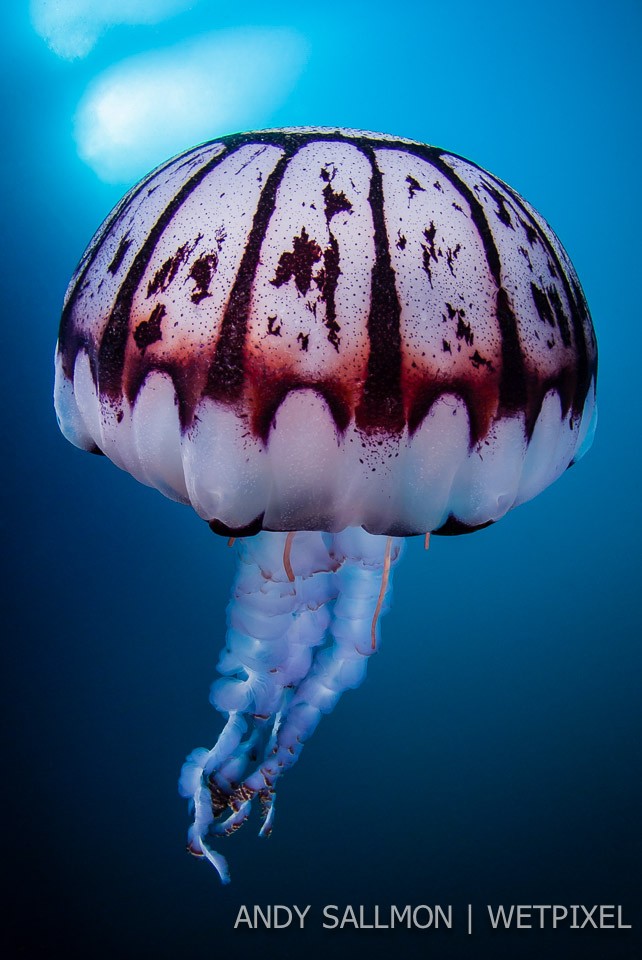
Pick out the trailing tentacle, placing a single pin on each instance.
(273, 626)
(291, 593)
(341, 665)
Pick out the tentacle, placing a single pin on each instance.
(193, 784)
(382, 593)
(273, 627)
(278, 676)
(362, 578)
(287, 550)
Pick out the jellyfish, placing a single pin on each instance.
(324, 341)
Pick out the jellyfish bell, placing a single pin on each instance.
(325, 341)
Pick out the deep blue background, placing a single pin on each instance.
(493, 754)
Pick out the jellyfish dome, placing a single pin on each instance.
(324, 340)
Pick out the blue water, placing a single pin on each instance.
(492, 756)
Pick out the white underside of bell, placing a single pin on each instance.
(308, 475)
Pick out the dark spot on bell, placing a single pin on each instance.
(464, 331)
(429, 249)
(119, 256)
(335, 202)
(451, 256)
(478, 361)
(167, 272)
(524, 252)
(530, 231)
(331, 274)
(413, 186)
(149, 331)
(298, 262)
(550, 309)
(502, 212)
(201, 273)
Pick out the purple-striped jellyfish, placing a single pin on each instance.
(325, 341)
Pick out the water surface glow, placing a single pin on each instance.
(72, 28)
(153, 105)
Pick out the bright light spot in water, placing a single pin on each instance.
(149, 107)
(72, 27)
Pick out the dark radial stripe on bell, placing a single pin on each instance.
(381, 406)
(585, 320)
(512, 389)
(575, 297)
(111, 354)
(64, 334)
(226, 375)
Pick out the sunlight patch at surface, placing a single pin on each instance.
(71, 28)
(146, 108)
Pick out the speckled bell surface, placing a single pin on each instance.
(313, 329)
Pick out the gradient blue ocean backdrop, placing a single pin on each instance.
(493, 753)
